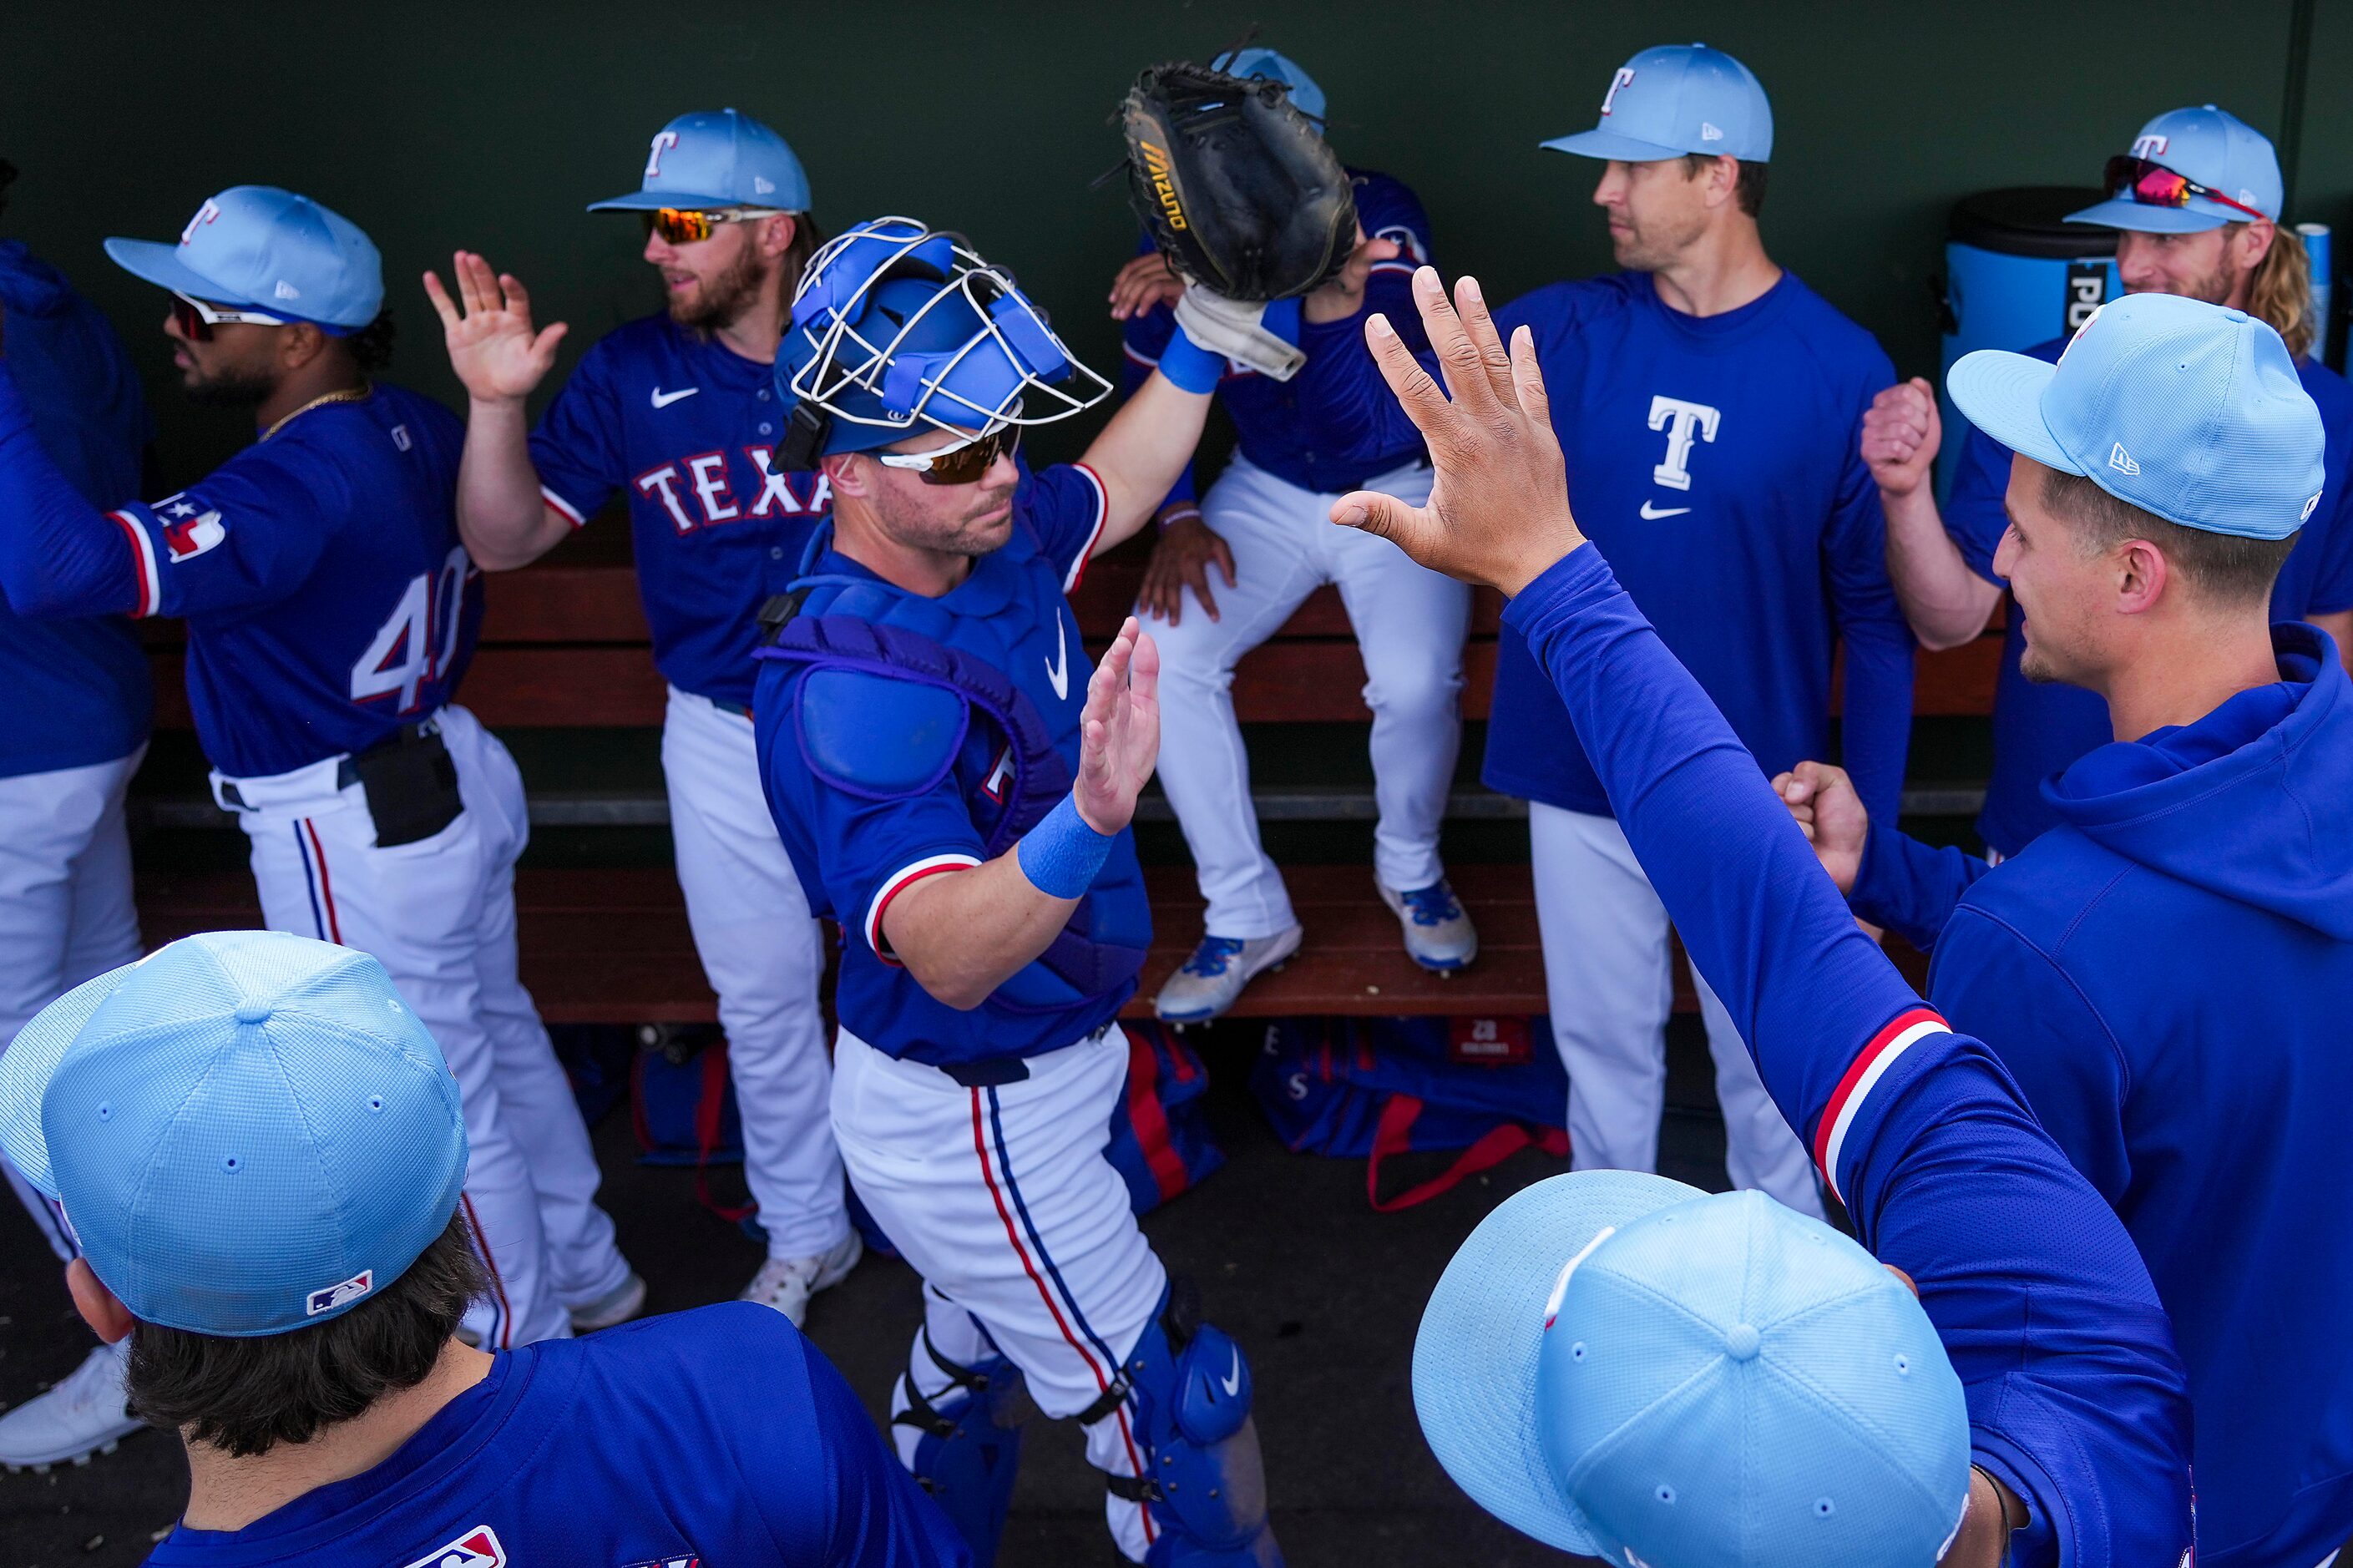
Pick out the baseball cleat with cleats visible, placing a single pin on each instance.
(1439, 935)
(84, 1414)
(1212, 981)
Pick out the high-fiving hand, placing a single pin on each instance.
(492, 345)
(1499, 511)
(1119, 730)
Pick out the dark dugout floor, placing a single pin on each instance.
(1323, 1292)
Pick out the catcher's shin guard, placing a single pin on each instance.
(964, 1444)
(1204, 1485)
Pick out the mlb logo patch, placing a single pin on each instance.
(334, 1296)
(477, 1548)
(189, 529)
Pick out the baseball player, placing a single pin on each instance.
(1709, 404)
(330, 612)
(955, 791)
(1751, 1394)
(2196, 206)
(1261, 524)
(306, 1353)
(76, 728)
(2162, 967)
(674, 411)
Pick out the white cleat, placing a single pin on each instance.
(83, 1415)
(1212, 981)
(1438, 935)
(788, 1283)
(618, 1305)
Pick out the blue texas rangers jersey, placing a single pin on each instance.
(2075, 1393)
(78, 692)
(688, 430)
(857, 847)
(717, 1436)
(1265, 412)
(328, 599)
(1718, 462)
(2038, 729)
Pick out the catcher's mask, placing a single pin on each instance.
(897, 328)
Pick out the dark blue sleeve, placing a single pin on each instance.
(1974, 513)
(576, 447)
(1909, 888)
(1876, 727)
(2332, 583)
(59, 555)
(878, 1517)
(2075, 1395)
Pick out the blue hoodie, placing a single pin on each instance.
(78, 692)
(2166, 973)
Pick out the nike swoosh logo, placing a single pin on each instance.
(664, 399)
(1232, 1380)
(1057, 669)
(1653, 513)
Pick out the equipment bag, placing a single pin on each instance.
(1370, 1088)
(683, 1104)
(1160, 1137)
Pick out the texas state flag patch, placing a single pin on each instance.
(189, 528)
(477, 1548)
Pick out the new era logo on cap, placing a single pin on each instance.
(2121, 460)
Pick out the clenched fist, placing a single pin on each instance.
(1901, 432)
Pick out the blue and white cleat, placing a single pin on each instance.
(1437, 934)
(1212, 979)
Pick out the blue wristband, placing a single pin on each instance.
(1061, 855)
(1189, 366)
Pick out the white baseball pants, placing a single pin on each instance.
(439, 915)
(66, 909)
(1609, 973)
(762, 950)
(1409, 625)
(1000, 1197)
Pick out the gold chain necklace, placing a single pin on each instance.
(349, 394)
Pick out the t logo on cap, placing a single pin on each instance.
(207, 213)
(1625, 78)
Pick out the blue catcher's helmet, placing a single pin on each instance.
(897, 328)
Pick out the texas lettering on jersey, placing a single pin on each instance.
(695, 492)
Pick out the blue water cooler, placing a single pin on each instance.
(2017, 275)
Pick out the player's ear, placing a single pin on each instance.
(776, 234)
(299, 343)
(845, 472)
(109, 1317)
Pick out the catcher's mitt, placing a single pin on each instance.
(1234, 183)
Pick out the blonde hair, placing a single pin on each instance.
(2280, 293)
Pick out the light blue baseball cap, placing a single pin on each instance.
(711, 161)
(1275, 67)
(1625, 1367)
(269, 250)
(2182, 408)
(250, 1133)
(2212, 147)
(1678, 99)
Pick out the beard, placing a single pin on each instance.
(229, 388)
(1651, 249)
(2213, 289)
(964, 534)
(721, 301)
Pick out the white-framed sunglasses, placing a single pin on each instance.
(689, 225)
(198, 318)
(960, 464)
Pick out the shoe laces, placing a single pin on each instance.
(1433, 905)
(1213, 955)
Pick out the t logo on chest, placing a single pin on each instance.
(1685, 423)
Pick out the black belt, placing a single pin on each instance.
(991, 1073)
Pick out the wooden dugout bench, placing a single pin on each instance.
(565, 647)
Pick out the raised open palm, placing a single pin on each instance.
(492, 344)
(1119, 730)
